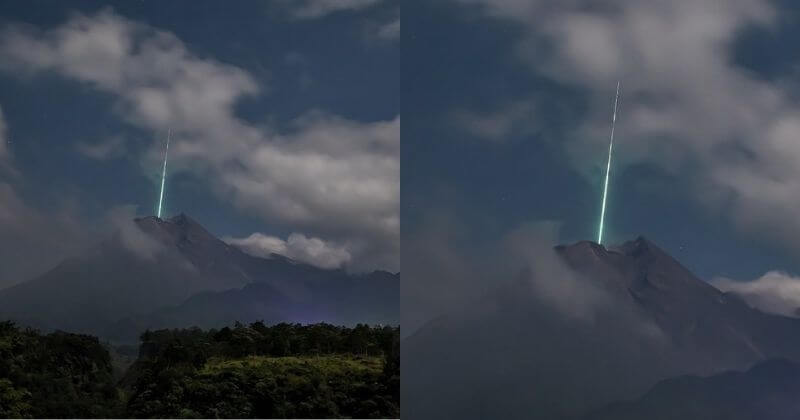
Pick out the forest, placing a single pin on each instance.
(243, 371)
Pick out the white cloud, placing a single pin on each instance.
(298, 247)
(313, 9)
(686, 106)
(326, 175)
(774, 292)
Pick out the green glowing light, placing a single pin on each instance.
(608, 170)
(163, 175)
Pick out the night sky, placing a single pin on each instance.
(507, 110)
(285, 121)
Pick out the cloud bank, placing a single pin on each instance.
(774, 292)
(298, 247)
(323, 174)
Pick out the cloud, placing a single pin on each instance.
(774, 292)
(325, 175)
(131, 236)
(111, 148)
(553, 281)
(389, 31)
(496, 125)
(32, 241)
(314, 9)
(687, 107)
(298, 247)
(453, 271)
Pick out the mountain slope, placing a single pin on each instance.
(513, 354)
(370, 299)
(768, 391)
(153, 265)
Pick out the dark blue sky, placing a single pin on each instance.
(336, 63)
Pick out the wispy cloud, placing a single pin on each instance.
(498, 125)
(297, 246)
(774, 292)
(314, 9)
(108, 149)
(388, 31)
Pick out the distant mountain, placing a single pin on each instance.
(512, 355)
(767, 391)
(174, 273)
(344, 300)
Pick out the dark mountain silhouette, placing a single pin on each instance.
(156, 272)
(513, 354)
(768, 391)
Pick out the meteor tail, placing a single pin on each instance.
(608, 169)
(164, 174)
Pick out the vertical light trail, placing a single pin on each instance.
(164, 174)
(608, 169)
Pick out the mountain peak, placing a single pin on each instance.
(178, 228)
(634, 266)
(181, 219)
(580, 247)
(638, 248)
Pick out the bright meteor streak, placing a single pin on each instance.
(164, 174)
(608, 169)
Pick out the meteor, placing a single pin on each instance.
(164, 174)
(608, 169)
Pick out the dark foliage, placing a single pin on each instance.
(54, 375)
(286, 370)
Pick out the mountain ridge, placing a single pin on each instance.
(766, 390)
(153, 264)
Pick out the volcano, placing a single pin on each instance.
(173, 273)
(513, 354)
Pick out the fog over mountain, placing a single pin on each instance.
(582, 326)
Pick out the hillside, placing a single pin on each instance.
(247, 371)
(630, 316)
(55, 375)
(767, 391)
(173, 273)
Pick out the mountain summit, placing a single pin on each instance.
(644, 318)
(158, 273)
(180, 229)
